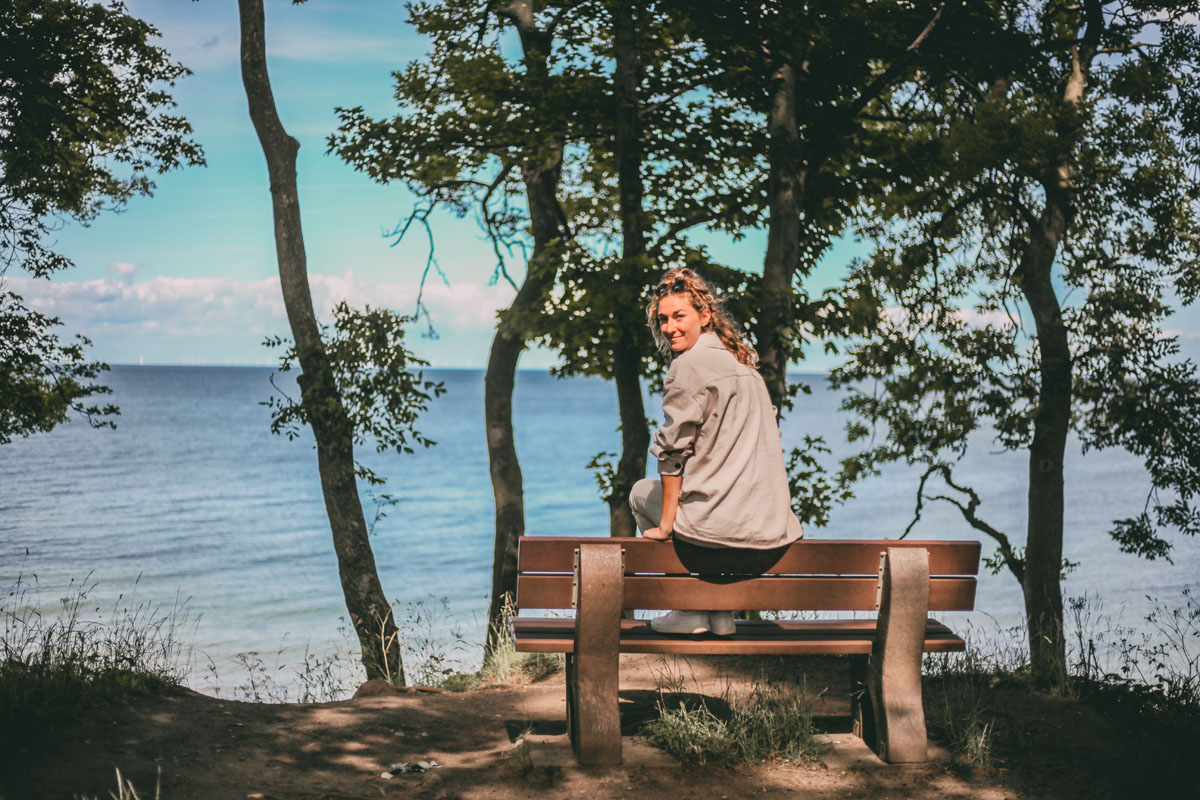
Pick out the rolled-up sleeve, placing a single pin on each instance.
(675, 441)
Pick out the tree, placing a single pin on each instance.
(1025, 281)
(85, 121)
(655, 167)
(478, 131)
(709, 131)
(354, 384)
(818, 75)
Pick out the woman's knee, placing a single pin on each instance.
(643, 490)
(645, 501)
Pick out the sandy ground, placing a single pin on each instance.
(510, 742)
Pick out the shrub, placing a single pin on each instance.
(505, 665)
(768, 723)
(51, 664)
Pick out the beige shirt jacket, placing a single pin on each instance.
(719, 432)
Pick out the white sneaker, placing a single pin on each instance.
(721, 623)
(681, 622)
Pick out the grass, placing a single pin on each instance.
(127, 791)
(1146, 680)
(504, 665)
(771, 722)
(432, 655)
(50, 664)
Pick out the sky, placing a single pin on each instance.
(189, 276)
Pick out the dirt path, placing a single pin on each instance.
(507, 743)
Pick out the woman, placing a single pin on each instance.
(723, 483)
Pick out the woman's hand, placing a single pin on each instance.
(656, 534)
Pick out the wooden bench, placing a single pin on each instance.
(599, 577)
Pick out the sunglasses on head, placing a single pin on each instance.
(679, 285)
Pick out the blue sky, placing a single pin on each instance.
(188, 276)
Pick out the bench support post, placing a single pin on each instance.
(593, 717)
(894, 677)
(861, 712)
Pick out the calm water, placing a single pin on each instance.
(192, 498)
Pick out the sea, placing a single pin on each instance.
(193, 505)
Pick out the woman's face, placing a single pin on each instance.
(679, 322)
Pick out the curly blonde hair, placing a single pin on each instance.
(702, 298)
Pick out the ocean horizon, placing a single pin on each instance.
(192, 500)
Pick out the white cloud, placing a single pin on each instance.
(125, 269)
(225, 320)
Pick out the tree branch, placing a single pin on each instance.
(1007, 553)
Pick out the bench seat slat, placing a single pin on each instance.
(786, 637)
(806, 557)
(767, 594)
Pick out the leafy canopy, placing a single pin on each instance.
(949, 347)
(84, 123)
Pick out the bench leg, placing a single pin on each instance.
(572, 714)
(861, 712)
(894, 674)
(593, 705)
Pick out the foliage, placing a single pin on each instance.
(502, 663)
(949, 343)
(466, 121)
(42, 379)
(86, 122)
(52, 664)
(85, 118)
(960, 709)
(813, 490)
(373, 369)
(769, 723)
(1143, 680)
(471, 115)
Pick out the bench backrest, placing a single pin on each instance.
(812, 574)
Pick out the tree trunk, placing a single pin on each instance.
(785, 187)
(635, 436)
(1052, 419)
(541, 185)
(370, 613)
(541, 178)
(1044, 538)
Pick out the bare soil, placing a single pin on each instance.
(510, 742)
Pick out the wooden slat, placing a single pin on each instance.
(758, 627)
(784, 637)
(766, 594)
(806, 557)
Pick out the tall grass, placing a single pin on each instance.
(1147, 681)
(504, 665)
(127, 791)
(433, 651)
(78, 654)
(1145, 678)
(769, 722)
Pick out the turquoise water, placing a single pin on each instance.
(192, 498)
